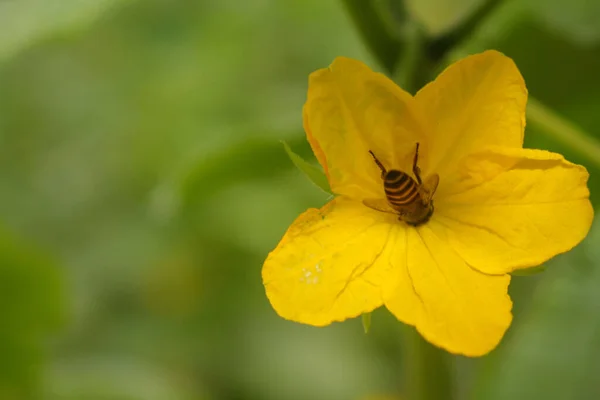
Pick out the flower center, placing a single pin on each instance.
(410, 198)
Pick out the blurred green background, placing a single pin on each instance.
(142, 184)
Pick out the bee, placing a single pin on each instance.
(409, 198)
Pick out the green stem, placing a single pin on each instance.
(407, 72)
(368, 22)
(563, 130)
(439, 47)
(428, 369)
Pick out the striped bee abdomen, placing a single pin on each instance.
(400, 188)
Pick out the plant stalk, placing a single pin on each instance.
(428, 369)
(563, 130)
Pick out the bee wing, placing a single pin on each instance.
(379, 205)
(427, 189)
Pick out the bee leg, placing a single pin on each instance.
(416, 169)
(379, 164)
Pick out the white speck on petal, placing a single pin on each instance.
(308, 277)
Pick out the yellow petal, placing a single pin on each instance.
(475, 103)
(323, 269)
(462, 310)
(319, 154)
(515, 208)
(351, 110)
(398, 292)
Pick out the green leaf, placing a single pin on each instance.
(315, 174)
(440, 16)
(366, 321)
(529, 271)
(24, 22)
(371, 21)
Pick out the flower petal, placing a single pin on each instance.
(323, 269)
(398, 292)
(461, 310)
(476, 102)
(350, 110)
(318, 152)
(516, 208)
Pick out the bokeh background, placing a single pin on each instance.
(143, 182)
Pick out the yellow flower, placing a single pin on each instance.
(498, 207)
